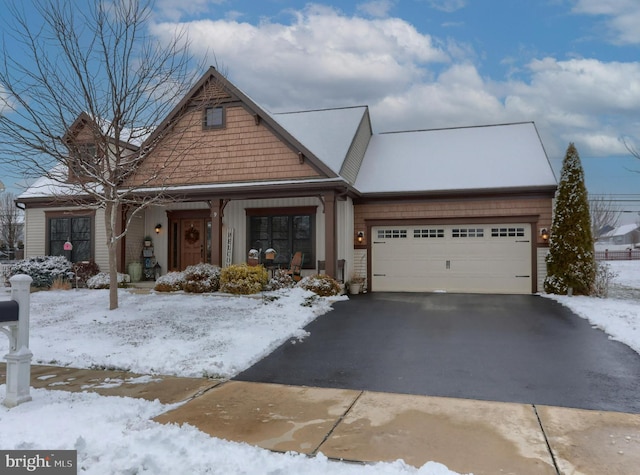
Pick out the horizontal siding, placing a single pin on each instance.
(34, 232)
(542, 267)
(101, 253)
(354, 158)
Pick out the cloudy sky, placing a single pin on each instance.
(572, 66)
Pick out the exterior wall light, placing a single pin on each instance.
(158, 228)
(360, 237)
(544, 234)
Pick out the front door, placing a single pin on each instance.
(193, 242)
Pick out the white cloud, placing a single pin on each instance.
(324, 58)
(175, 9)
(623, 17)
(376, 8)
(448, 6)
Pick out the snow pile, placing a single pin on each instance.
(115, 435)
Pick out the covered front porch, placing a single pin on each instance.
(221, 231)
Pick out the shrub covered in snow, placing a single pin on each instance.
(243, 279)
(83, 271)
(201, 278)
(43, 269)
(101, 281)
(170, 282)
(604, 277)
(321, 284)
(280, 280)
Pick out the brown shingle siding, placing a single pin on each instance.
(242, 151)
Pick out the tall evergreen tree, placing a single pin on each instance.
(571, 259)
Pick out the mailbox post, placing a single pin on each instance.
(19, 356)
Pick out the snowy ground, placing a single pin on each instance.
(618, 315)
(179, 334)
(195, 335)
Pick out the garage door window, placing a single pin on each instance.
(507, 232)
(467, 232)
(428, 233)
(392, 233)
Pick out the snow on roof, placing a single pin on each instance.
(486, 157)
(621, 230)
(54, 184)
(328, 133)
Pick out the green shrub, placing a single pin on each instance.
(201, 278)
(170, 282)
(243, 279)
(320, 284)
(43, 269)
(83, 271)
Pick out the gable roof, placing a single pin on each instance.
(328, 133)
(212, 75)
(496, 157)
(621, 230)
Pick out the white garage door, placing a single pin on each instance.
(486, 258)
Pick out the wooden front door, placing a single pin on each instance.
(192, 249)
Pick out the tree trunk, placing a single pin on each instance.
(111, 222)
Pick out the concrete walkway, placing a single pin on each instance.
(364, 426)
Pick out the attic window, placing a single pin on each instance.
(214, 118)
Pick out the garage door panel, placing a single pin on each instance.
(493, 258)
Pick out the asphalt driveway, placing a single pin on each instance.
(510, 348)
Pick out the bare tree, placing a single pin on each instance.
(604, 214)
(78, 102)
(10, 220)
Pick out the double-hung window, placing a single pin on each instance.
(286, 230)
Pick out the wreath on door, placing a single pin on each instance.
(192, 235)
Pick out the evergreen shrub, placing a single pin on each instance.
(101, 281)
(43, 269)
(201, 278)
(571, 259)
(320, 284)
(243, 279)
(170, 282)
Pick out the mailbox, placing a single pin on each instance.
(9, 311)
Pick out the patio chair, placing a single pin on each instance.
(295, 268)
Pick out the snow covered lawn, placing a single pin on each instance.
(179, 334)
(618, 315)
(166, 333)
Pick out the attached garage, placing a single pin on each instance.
(474, 258)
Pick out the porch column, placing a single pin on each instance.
(330, 245)
(216, 232)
